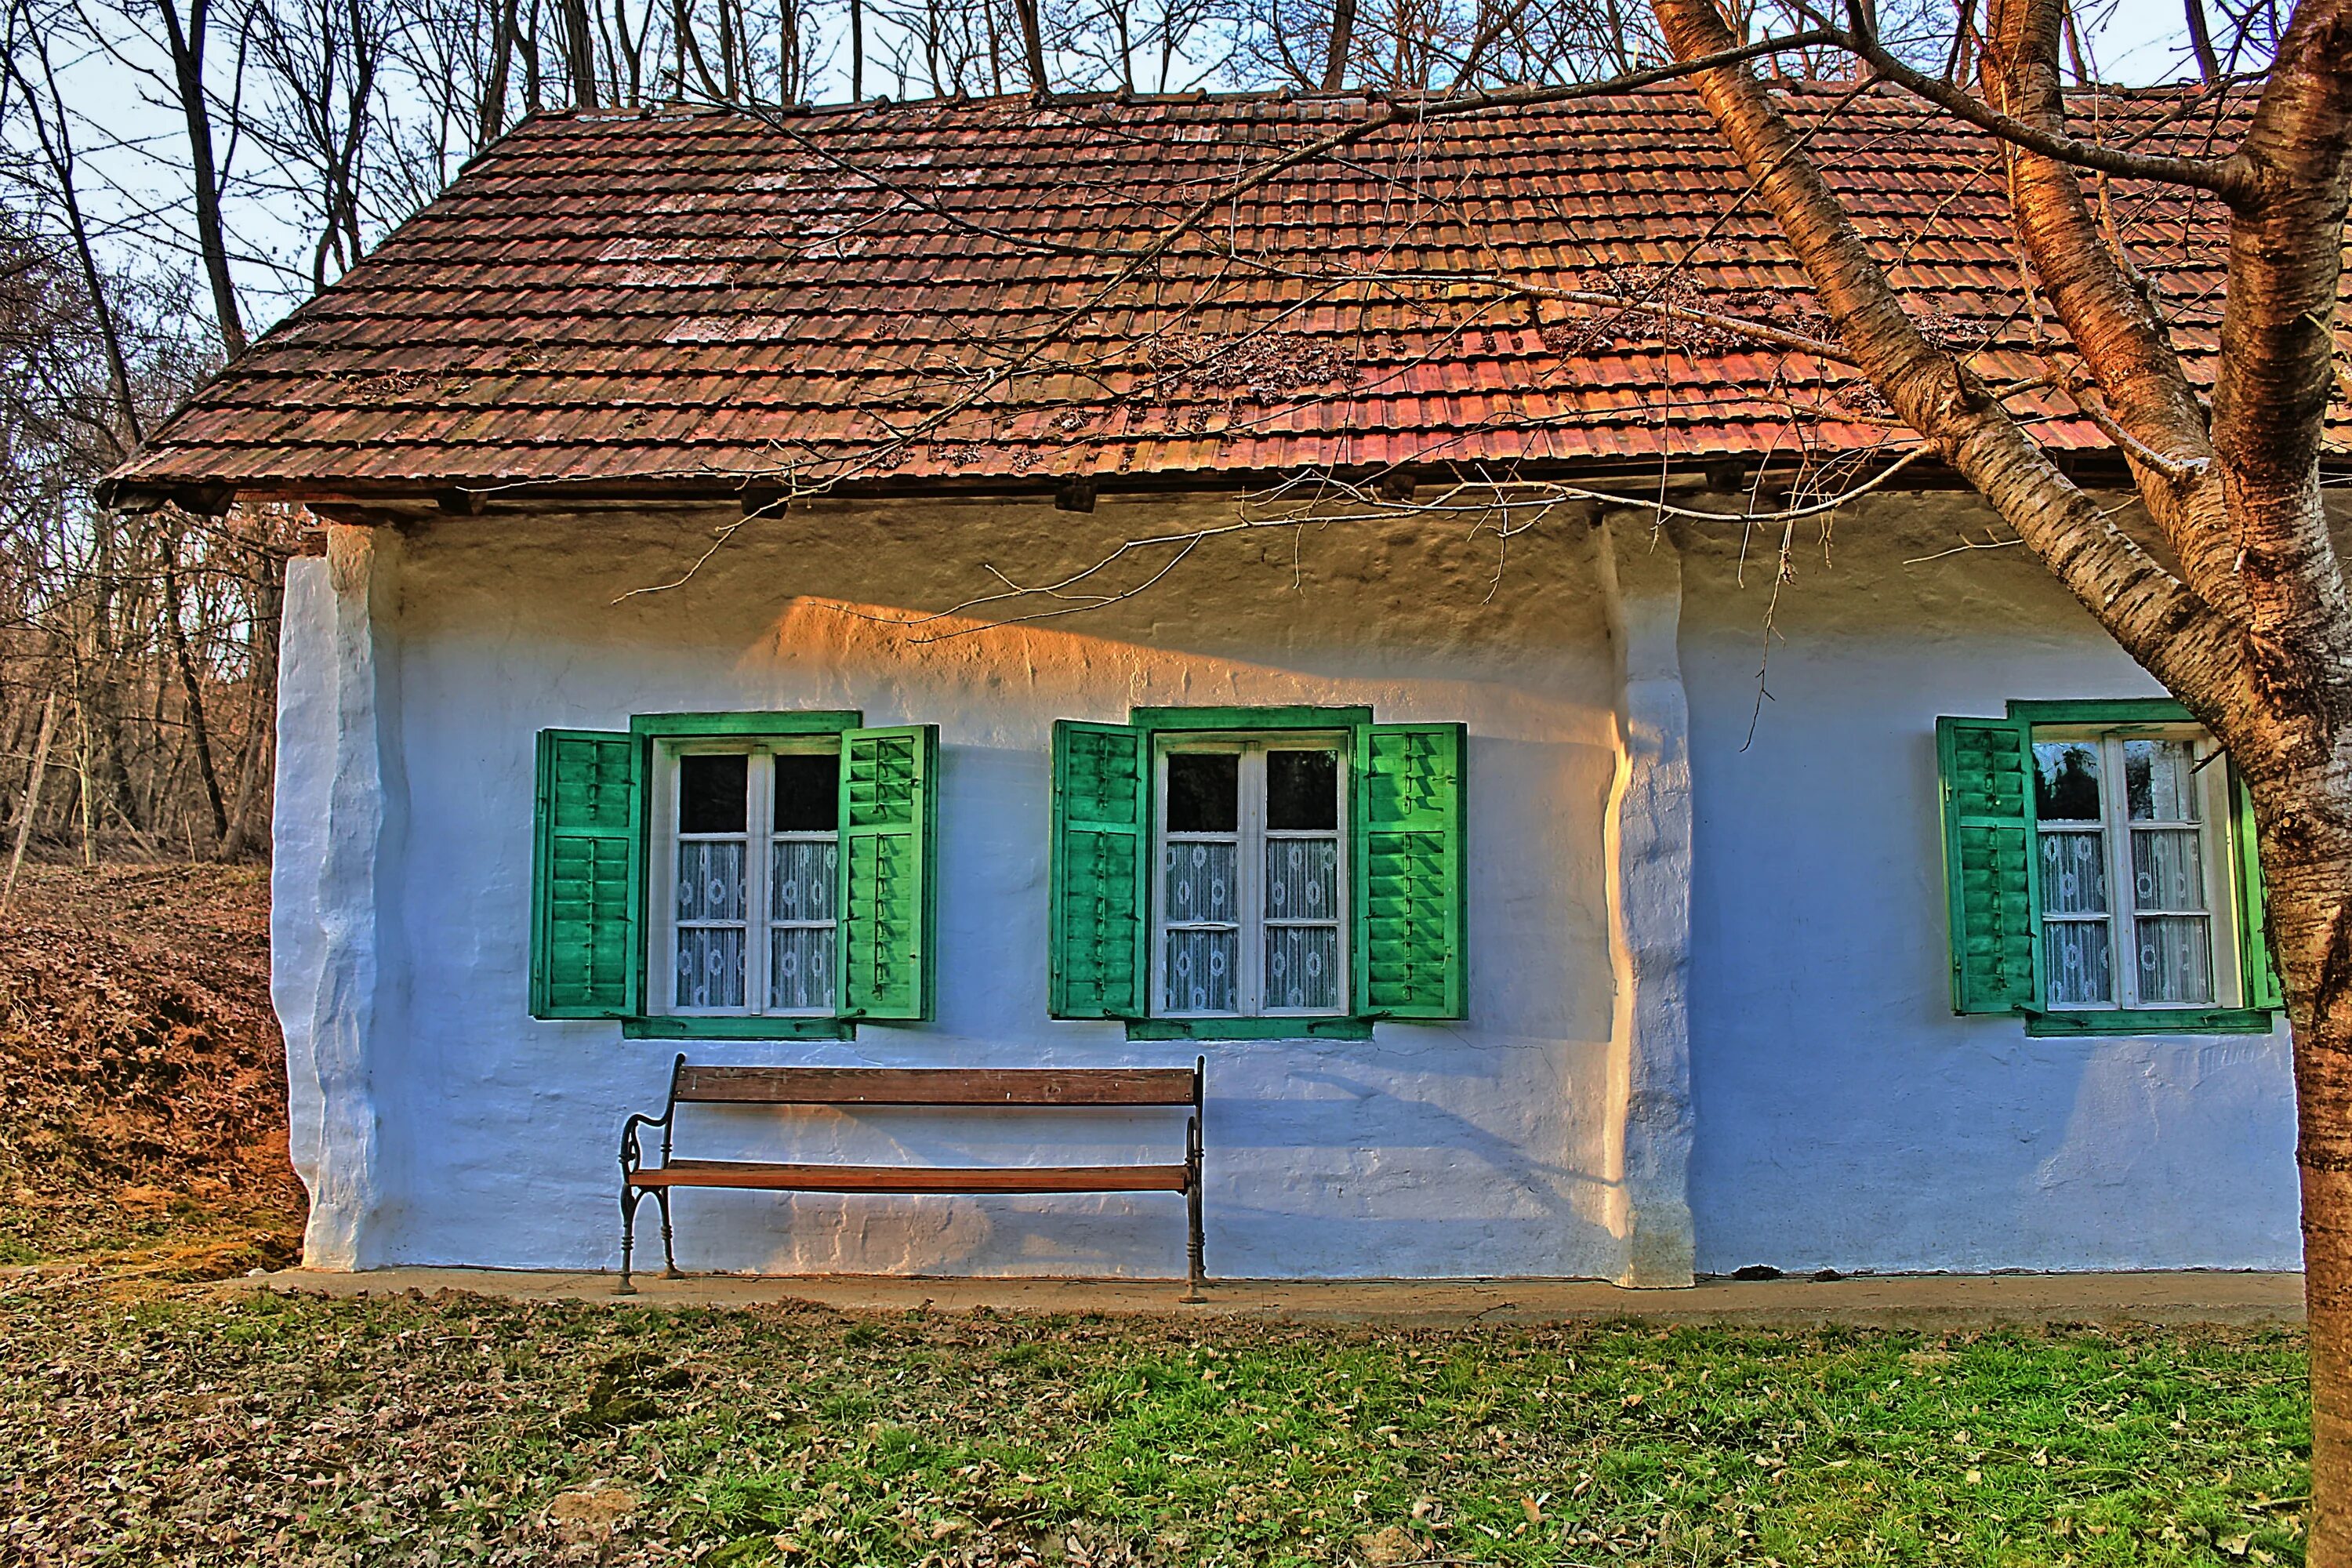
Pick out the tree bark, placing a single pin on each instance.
(192, 694)
(1033, 44)
(2255, 635)
(187, 50)
(1342, 45)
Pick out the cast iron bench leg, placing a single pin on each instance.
(630, 1199)
(669, 1256)
(1195, 1266)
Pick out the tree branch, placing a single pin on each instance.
(2157, 619)
(2225, 177)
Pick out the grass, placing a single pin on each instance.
(457, 1429)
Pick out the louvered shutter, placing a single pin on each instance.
(888, 781)
(586, 877)
(1410, 937)
(2260, 970)
(1986, 767)
(1094, 913)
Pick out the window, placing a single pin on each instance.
(735, 875)
(1258, 873)
(2134, 812)
(752, 873)
(1251, 905)
(2100, 871)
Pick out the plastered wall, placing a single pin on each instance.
(1709, 1011)
(1845, 1118)
(1478, 1148)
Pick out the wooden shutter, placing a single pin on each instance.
(586, 877)
(1411, 936)
(1986, 766)
(2261, 970)
(1101, 841)
(888, 785)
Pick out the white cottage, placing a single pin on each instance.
(884, 587)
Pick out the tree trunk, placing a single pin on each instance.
(188, 49)
(2255, 635)
(192, 694)
(1033, 44)
(1343, 45)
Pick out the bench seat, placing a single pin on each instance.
(766, 1176)
(952, 1091)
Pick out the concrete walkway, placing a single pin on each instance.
(1904, 1301)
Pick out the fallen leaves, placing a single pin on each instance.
(249, 1427)
(142, 1081)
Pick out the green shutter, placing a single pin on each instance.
(1095, 910)
(1986, 766)
(586, 877)
(2261, 970)
(1411, 940)
(888, 785)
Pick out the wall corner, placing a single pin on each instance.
(1648, 850)
(335, 954)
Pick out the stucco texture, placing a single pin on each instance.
(1846, 1116)
(1477, 1148)
(1708, 1006)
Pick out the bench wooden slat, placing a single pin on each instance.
(934, 1085)
(769, 1177)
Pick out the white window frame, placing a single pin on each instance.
(1250, 836)
(2216, 828)
(759, 822)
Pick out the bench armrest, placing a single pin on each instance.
(633, 1156)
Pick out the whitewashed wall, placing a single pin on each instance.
(1846, 1118)
(1843, 1117)
(1444, 1149)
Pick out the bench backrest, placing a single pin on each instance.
(700, 1084)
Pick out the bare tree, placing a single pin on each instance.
(323, 60)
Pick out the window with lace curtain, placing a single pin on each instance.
(748, 880)
(1250, 911)
(2131, 869)
(2102, 873)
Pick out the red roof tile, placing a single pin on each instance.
(699, 299)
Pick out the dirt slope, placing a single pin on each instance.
(143, 1082)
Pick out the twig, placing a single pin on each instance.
(32, 796)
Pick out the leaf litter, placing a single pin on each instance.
(229, 1424)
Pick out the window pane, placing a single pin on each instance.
(710, 794)
(710, 967)
(711, 882)
(2167, 869)
(800, 969)
(2066, 781)
(1200, 965)
(2176, 959)
(2074, 874)
(1302, 967)
(1204, 792)
(1302, 879)
(1302, 789)
(2161, 780)
(1202, 882)
(808, 793)
(801, 878)
(2075, 954)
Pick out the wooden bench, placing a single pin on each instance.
(970, 1088)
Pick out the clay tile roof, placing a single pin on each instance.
(919, 295)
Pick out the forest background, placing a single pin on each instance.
(177, 175)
